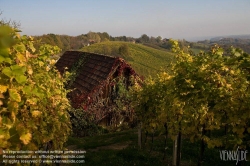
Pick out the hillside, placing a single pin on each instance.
(231, 36)
(225, 43)
(145, 60)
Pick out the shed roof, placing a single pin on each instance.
(95, 69)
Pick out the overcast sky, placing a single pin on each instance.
(178, 19)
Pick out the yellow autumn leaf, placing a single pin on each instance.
(36, 113)
(28, 55)
(25, 138)
(8, 125)
(14, 95)
(30, 71)
(2, 136)
(52, 62)
(188, 80)
(3, 88)
(1, 96)
(31, 102)
(13, 116)
(21, 57)
(40, 63)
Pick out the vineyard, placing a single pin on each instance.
(33, 112)
(145, 60)
(206, 99)
(200, 99)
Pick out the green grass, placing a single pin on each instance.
(101, 150)
(196, 50)
(102, 140)
(145, 60)
(155, 46)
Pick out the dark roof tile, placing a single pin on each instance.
(95, 71)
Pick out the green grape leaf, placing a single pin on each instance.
(20, 47)
(38, 92)
(8, 60)
(220, 51)
(2, 59)
(18, 70)
(27, 90)
(4, 52)
(21, 79)
(31, 46)
(14, 95)
(7, 71)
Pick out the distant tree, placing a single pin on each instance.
(138, 40)
(158, 39)
(120, 38)
(105, 35)
(166, 44)
(144, 38)
(94, 37)
(152, 40)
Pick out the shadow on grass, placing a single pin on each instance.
(101, 150)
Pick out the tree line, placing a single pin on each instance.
(66, 42)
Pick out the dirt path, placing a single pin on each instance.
(118, 146)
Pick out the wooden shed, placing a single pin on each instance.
(95, 78)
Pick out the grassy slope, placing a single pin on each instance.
(196, 51)
(145, 60)
(121, 148)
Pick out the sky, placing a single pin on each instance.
(177, 19)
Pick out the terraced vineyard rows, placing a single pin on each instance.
(145, 60)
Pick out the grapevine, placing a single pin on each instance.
(33, 100)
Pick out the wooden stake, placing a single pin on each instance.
(139, 135)
(175, 150)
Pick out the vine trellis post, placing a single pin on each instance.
(139, 134)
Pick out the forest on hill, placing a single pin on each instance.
(226, 42)
(66, 42)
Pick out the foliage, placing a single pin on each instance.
(122, 111)
(33, 101)
(92, 36)
(66, 42)
(214, 92)
(144, 38)
(113, 111)
(242, 42)
(205, 94)
(83, 123)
